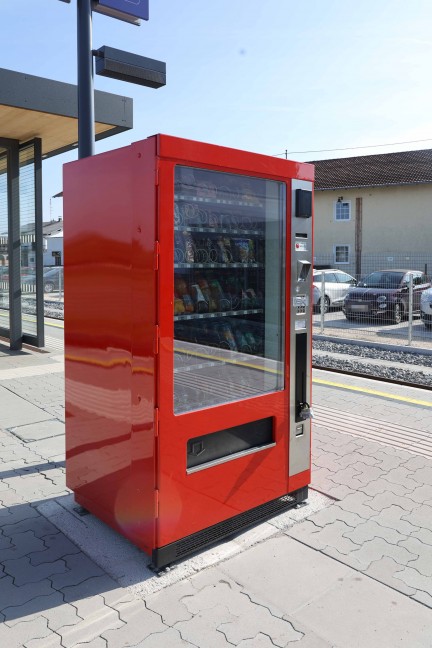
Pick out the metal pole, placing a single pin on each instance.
(86, 132)
(322, 303)
(410, 309)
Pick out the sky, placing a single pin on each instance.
(317, 79)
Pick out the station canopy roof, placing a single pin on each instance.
(32, 106)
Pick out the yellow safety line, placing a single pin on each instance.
(375, 392)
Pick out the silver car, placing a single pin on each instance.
(426, 308)
(336, 285)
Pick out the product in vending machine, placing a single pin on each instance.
(222, 300)
(227, 335)
(201, 306)
(250, 339)
(213, 219)
(250, 293)
(188, 303)
(178, 218)
(205, 289)
(242, 344)
(179, 307)
(189, 248)
(243, 250)
(224, 255)
(245, 301)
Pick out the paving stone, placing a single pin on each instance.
(414, 579)
(211, 595)
(339, 491)
(37, 431)
(347, 477)
(333, 513)
(15, 514)
(5, 542)
(51, 607)
(139, 623)
(20, 634)
(39, 525)
(11, 595)
(423, 597)
(202, 629)
(22, 545)
(382, 485)
(22, 571)
(50, 448)
(306, 532)
(366, 473)
(55, 546)
(371, 529)
(422, 495)
(394, 518)
(91, 627)
(347, 559)
(96, 643)
(423, 563)
(424, 535)
(169, 603)
(415, 463)
(260, 641)
(404, 477)
(357, 503)
(52, 641)
(170, 638)
(378, 548)
(420, 517)
(79, 569)
(256, 620)
(384, 571)
(385, 500)
(91, 587)
(424, 475)
(36, 486)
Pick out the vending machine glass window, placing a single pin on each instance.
(229, 287)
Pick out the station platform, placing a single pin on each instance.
(350, 569)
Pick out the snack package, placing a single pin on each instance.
(201, 306)
(179, 308)
(188, 303)
(189, 248)
(205, 289)
(242, 250)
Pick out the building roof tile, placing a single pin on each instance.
(408, 167)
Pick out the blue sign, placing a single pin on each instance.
(136, 8)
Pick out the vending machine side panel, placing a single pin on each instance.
(109, 361)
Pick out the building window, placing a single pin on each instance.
(341, 253)
(342, 210)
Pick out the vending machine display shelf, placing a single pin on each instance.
(217, 201)
(232, 313)
(217, 230)
(178, 266)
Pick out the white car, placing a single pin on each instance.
(336, 285)
(426, 307)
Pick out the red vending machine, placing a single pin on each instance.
(187, 340)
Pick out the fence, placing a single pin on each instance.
(382, 314)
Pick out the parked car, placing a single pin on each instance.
(336, 285)
(426, 308)
(52, 280)
(385, 294)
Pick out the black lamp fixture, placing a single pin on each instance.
(340, 199)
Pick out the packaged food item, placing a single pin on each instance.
(189, 248)
(222, 302)
(188, 303)
(205, 289)
(180, 286)
(179, 308)
(242, 345)
(227, 335)
(224, 255)
(201, 306)
(242, 250)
